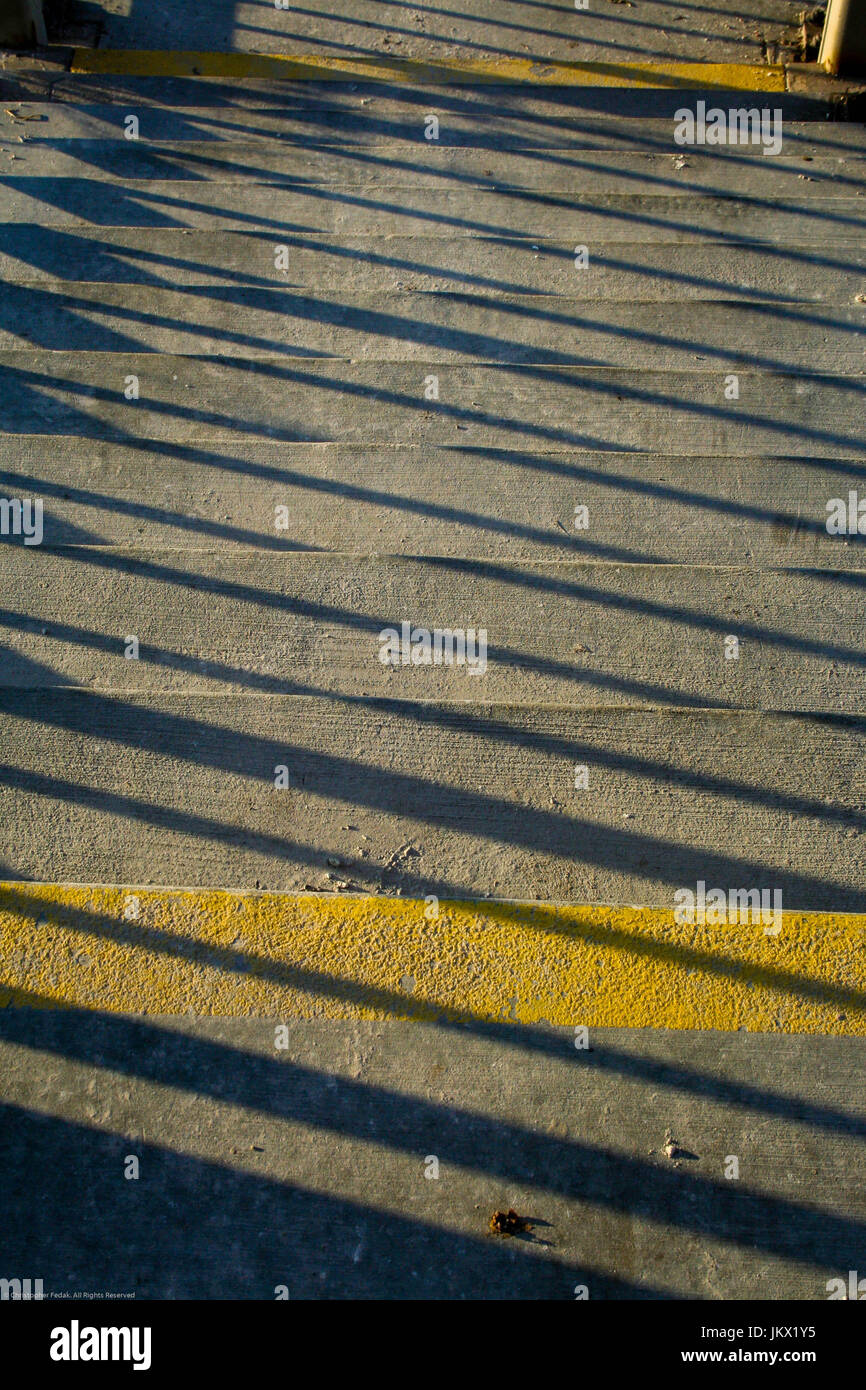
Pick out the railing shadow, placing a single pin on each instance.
(604, 1180)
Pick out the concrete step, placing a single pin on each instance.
(742, 171)
(514, 122)
(514, 971)
(457, 800)
(806, 101)
(475, 30)
(457, 501)
(401, 326)
(311, 1161)
(807, 213)
(187, 400)
(570, 633)
(282, 484)
(173, 258)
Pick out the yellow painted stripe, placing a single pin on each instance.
(172, 951)
(314, 67)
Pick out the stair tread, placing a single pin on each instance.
(194, 400)
(568, 631)
(181, 790)
(514, 121)
(642, 507)
(805, 212)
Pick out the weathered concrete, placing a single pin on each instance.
(395, 169)
(479, 799)
(198, 401)
(575, 633)
(663, 215)
(262, 388)
(511, 120)
(671, 272)
(814, 96)
(505, 504)
(437, 328)
(306, 1167)
(654, 30)
(627, 34)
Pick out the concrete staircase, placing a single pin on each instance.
(400, 425)
(287, 373)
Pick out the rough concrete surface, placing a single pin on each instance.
(282, 372)
(306, 1167)
(607, 30)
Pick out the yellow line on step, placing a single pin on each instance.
(314, 67)
(170, 951)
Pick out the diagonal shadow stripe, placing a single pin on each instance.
(601, 1178)
(398, 1005)
(193, 741)
(208, 1231)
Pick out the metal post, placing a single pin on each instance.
(843, 44)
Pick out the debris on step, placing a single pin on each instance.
(508, 1223)
(341, 883)
(673, 1150)
(670, 1148)
(394, 861)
